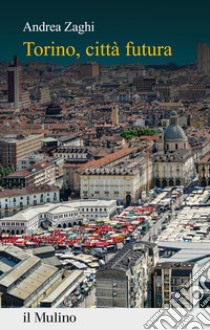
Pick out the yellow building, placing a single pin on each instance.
(203, 170)
(124, 182)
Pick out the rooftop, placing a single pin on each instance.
(108, 159)
(8, 193)
(174, 132)
(128, 256)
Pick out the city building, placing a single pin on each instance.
(73, 154)
(44, 95)
(29, 161)
(124, 182)
(15, 147)
(14, 80)
(54, 111)
(192, 92)
(26, 101)
(14, 200)
(124, 281)
(203, 170)
(71, 177)
(203, 58)
(39, 174)
(27, 280)
(173, 163)
(58, 215)
(169, 278)
(71, 140)
(89, 70)
(144, 84)
(112, 159)
(115, 116)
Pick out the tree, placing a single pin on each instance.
(4, 171)
(132, 133)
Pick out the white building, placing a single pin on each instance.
(14, 200)
(72, 153)
(60, 215)
(29, 161)
(173, 164)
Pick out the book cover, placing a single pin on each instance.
(105, 164)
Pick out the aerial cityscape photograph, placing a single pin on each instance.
(105, 163)
(105, 182)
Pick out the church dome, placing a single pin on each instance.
(174, 132)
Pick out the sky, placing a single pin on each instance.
(180, 24)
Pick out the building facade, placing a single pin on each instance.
(59, 215)
(169, 278)
(14, 200)
(203, 170)
(89, 70)
(15, 147)
(14, 80)
(125, 183)
(173, 163)
(125, 279)
(203, 58)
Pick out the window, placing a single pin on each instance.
(176, 146)
(166, 277)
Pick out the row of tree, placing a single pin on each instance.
(132, 133)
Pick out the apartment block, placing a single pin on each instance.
(15, 147)
(124, 281)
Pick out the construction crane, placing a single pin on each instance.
(148, 139)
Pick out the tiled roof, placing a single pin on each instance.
(108, 159)
(205, 159)
(26, 191)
